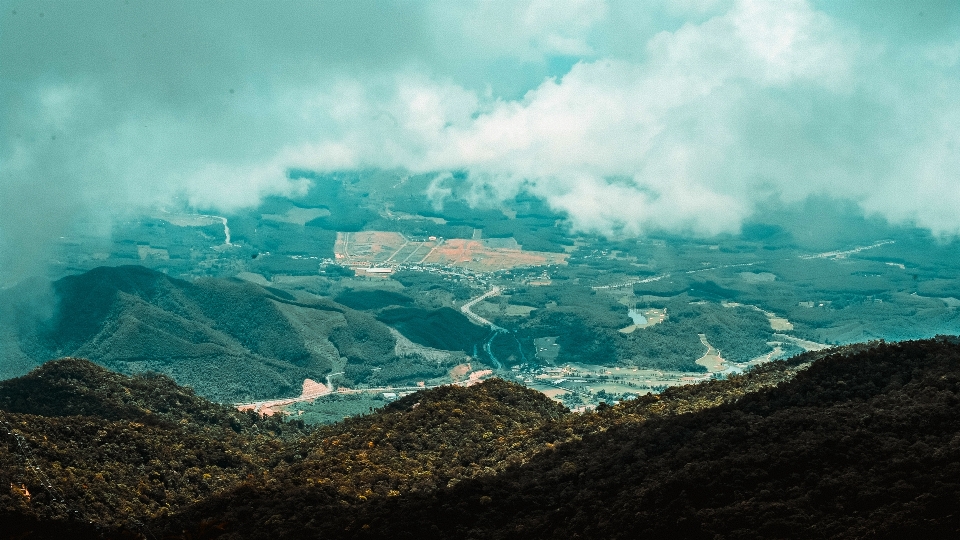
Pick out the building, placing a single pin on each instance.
(373, 272)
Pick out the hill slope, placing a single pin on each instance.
(229, 339)
(85, 451)
(862, 444)
(856, 442)
(75, 387)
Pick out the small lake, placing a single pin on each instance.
(638, 318)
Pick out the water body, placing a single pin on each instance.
(487, 347)
(637, 317)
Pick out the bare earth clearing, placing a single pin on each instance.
(711, 359)
(376, 248)
(462, 375)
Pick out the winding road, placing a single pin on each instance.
(466, 308)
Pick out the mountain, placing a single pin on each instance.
(853, 442)
(856, 446)
(85, 451)
(229, 339)
(76, 387)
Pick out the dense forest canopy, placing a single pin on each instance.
(826, 444)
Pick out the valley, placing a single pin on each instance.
(481, 270)
(391, 292)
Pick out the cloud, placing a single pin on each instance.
(112, 108)
(765, 99)
(527, 31)
(677, 115)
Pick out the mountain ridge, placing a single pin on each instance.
(860, 445)
(854, 442)
(230, 339)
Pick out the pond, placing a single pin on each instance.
(637, 317)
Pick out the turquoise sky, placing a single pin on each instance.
(678, 115)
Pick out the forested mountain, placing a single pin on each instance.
(855, 442)
(229, 339)
(87, 451)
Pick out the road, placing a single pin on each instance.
(399, 249)
(844, 254)
(466, 308)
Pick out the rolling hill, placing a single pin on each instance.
(853, 442)
(229, 339)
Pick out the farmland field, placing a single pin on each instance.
(379, 248)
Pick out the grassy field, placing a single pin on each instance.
(334, 408)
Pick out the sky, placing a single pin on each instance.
(685, 116)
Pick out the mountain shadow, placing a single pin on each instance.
(855, 442)
(864, 443)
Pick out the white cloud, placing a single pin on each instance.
(669, 125)
(765, 99)
(673, 114)
(526, 31)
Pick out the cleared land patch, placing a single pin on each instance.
(374, 248)
(297, 216)
(511, 310)
(479, 255)
(547, 348)
(777, 324)
(758, 277)
(711, 359)
(646, 318)
(508, 310)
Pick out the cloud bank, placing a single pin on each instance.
(682, 115)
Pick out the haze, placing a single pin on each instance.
(686, 116)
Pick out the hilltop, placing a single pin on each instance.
(855, 446)
(77, 387)
(86, 451)
(854, 442)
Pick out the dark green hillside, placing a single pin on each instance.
(586, 322)
(362, 340)
(86, 300)
(442, 328)
(134, 458)
(862, 444)
(858, 446)
(587, 326)
(243, 311)
(372, 299)
(423, 283)
(419, 444)
(72, 387)
(856, 442)
(229, 339)
(670, 286)
(85, 452)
